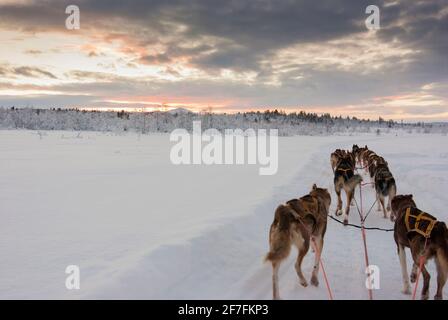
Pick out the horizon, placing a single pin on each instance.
(224, 112)
(242, 57)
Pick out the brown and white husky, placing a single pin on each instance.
(298, 222)
(345, 179)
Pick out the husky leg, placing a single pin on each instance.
(426, 279)
(337, 188)
(404, 269)
(442, 271)
(391, 195)
(352, 203)
(417, 254)
(389, 200)
(303, 249)
(275, 290)
(414, 272)
(382, 205)
(378, 202)
(349, 194)
(319, 243)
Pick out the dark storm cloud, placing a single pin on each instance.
(238, 35)
(257, 27)
(423, 24)
(173, 52)
(250, 30)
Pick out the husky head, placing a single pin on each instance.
(400, 202)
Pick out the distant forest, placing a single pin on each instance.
(295, 123)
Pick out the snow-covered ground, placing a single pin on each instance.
(140, 227)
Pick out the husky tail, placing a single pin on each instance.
(279, 235)
(386, 186)
(353, 182)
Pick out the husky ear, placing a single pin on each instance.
(314, 187)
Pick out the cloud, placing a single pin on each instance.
(243, 54)
(33, 52)
(33, 72)
(25, 71)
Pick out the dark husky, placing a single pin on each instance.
(345, 178)
(408, 233)
(298, 222)
(336, 156)
(385, 186)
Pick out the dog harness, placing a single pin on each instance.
(304, 206)
(419, 221)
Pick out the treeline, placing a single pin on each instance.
(294, 123)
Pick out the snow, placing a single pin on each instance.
(140, 227)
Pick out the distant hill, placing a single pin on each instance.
(179, 111)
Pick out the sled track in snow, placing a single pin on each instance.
(227, 261)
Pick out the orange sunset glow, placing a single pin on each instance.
(160, 55)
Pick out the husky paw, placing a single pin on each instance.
(338, 212)
(424, 296)
(436, 297)
(406, 291)
(345, 222)
(314, 281)
(303, 283)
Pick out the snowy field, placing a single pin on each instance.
(140, 227)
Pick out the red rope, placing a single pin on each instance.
(316, 249)
(420, 267)
(365, 241)
(327, 283)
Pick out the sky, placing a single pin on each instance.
(235, 55)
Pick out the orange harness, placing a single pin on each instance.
(344, 170)
(419, 221)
